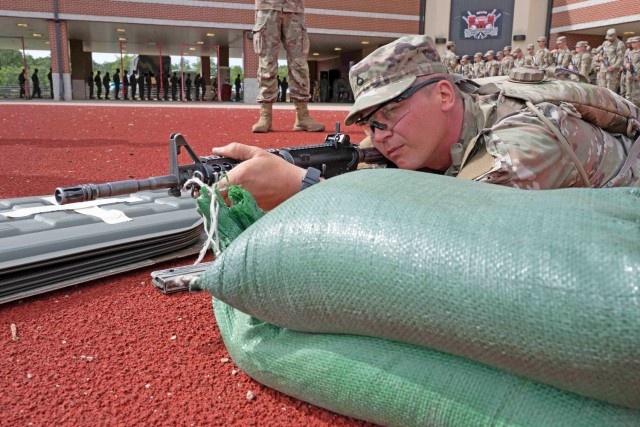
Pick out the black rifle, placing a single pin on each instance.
(632, 69)
(335, 156)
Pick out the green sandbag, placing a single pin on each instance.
(395, 384)
(233, 219)
(544, 284)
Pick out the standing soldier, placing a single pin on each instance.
(592, 71)
(125, 85)
(50, 78)
(478, 66)
(530, 57)
(116, 83)
(22, 79)
(98, 82)
(35, 93)
(90, 84)
(518, 58)
(499, 58)
(449, 59)
(466, 67)
(562, 53)
(174, 86)
(133, 81)
(611, 60)
(544, 57)
(282, 21)
(492, 67)
(633, 68)
(582, 59)
(507, 61)
(625, 76)
(105, 82)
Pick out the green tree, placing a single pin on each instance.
(11, 65)
(236, 70)
(10, 58)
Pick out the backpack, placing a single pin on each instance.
(596, 105)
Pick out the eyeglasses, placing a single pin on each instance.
(392, 115)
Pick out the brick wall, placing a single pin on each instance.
(64, 39)
(321, 14)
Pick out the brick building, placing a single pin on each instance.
(340, 33)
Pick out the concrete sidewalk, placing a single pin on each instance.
(176, 104)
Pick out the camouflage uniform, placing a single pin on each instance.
(281, 21)
(625, 75)
(543, 56)
(518, 59)
(467, 67)
(634, 71)
(582, 60)
(450, 60)
(478, 66)
(504, 141)
(563, 55)
(529, 58)
(491, 66)
(507, 61)
(612, 56)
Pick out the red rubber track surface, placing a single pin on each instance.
(116, 351)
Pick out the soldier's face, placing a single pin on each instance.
(416, 141)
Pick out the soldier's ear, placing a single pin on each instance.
(446, 92)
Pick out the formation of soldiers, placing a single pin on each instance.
(614, 64)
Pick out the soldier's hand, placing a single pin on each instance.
(268, 177)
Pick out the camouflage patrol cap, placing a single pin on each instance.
(542, 39)
(611, 34)
(489, 52)
(390, 70)
(582, 44)
(465, 56)
(450, 43)
(530, 46)
(633, 39)
(478, 54)
(561, 39)
(507, 48)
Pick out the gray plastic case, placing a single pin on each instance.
(47, 251)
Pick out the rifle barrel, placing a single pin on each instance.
(87, 192)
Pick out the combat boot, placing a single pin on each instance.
(264, 124)
(304, 121)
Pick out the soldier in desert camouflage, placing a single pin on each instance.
(466, 67)
(544, 57)
(582, 59)
(530, 57)
(282, 21)
(518, 57)
(449, 59)
(479, 69)
(507, 60)
(633, 68)
(562, 54)
(491, 65)
(610, 58)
